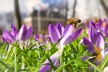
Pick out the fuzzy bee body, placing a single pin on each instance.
(93, 58)
(73, 21)
(96, 56)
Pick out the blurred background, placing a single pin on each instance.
(40, 13)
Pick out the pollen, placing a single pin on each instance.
(103, 24)
(40, 40)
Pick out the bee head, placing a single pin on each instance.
(79, 20)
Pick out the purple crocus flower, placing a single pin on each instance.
(95, 38)
(99, 26)
(97, 48)
(10, 37)
(7, 37)
(24, 33)
(95, 44)
(57, 32)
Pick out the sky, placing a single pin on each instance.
(28, 5)
(6, 6)
(25, 5)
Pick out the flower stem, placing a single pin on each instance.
(60, 53)
(60, 59)
(9, 47)
(23, 64)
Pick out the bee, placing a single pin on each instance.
(96, 56)
(93, 58)
(73, 21)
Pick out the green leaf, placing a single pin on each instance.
(3, 46)
(6, 66)
(15, 61)
(104, 62)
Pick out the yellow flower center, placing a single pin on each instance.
(40, 40)
(104, 24)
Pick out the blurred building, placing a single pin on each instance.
(6, 19)
(40, 20)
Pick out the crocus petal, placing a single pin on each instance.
(72, 37)
(6, 40)
(87, 25)
(60, 28)
(89, 45)
(99, 24)
(43, 38)
(104, 23)
(76, 33)
(7, 37)
(48, 37)
(13, 29)
(3, 39)
(10, 36)
(68, 30)
(22, 33)
(105, 20)
(106, 51)
(91, 67)
(44, 68)
(100, 43)
(66, 34)
(105, 69)
(54, 33)
(92, 36)
(46, 65)
(29, 33)
(106, 43)
(55, 64)
(106, 30)
(9, 40)
(92, 24)
(4, 34)
(85, 57)
(36, 37)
